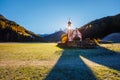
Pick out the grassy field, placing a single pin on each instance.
(46, 61)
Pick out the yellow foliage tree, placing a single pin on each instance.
(64, 38)
(3, 24)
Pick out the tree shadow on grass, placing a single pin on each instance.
(70, 67)
(103, 56)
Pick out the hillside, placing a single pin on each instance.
(54, 37)
(101, 27)
(115, 37)
(10, 31)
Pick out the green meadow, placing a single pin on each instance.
(46, 61)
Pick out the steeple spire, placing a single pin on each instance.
(69, 23)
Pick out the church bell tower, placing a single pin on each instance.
(69, 30)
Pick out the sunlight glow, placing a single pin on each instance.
(69, 27)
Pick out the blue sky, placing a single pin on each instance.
(48, 16)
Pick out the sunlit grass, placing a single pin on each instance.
(28, 51)
(34, 61)
(23, 73)
(114, 47)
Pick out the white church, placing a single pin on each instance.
(74, 36)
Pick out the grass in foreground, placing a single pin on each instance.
(39, 61)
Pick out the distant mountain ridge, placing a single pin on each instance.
(101, 27)
(10, 31)
(54, 37)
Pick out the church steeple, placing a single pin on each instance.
(69, 23)
(69, 30)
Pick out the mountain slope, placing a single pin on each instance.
(115, 37)
(101, 27)
(10, 31)
(54, 37)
